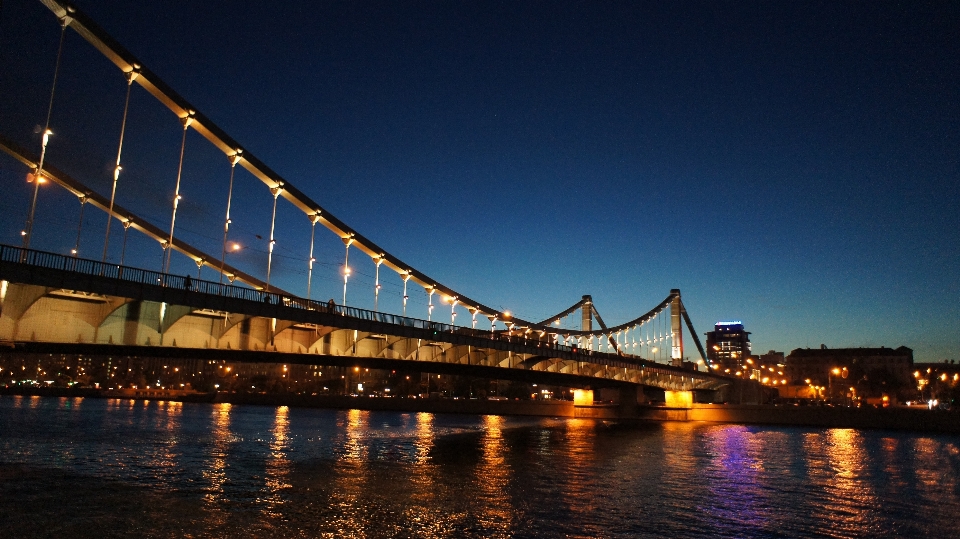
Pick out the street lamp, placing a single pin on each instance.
(228, 249)
(836, 371)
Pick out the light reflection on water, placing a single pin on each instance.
(493, 480)
(214, 470)
(278, 466)
(162, 469)
(851, 499)
(736, 480)
(350, 518)
(580, 485)
(933, 465)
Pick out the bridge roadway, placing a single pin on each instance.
(51, 303)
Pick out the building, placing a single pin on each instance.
(852, 373)
(772, 358)
(728, 346)
(937, 382)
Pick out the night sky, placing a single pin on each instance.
(793, 165)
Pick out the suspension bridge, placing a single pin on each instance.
(58, 302)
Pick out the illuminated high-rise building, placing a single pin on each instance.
(728, 346)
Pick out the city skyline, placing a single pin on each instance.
(793, 167)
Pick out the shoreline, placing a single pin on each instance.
(892, 418)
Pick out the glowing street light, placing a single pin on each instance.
(836, 371)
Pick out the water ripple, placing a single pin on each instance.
(120, 468)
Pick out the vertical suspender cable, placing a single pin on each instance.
(126, 228)
(27, 233)
(131, 75)
(647, 341)
(376, 286)
(653, 342)
(76, 246)
(651, 326)
(273, 222)
(656, 339)
(346, 266)
(234, 159)
(313, 228)
(659, 337)
(168, 248)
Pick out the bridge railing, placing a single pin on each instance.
(84, 266)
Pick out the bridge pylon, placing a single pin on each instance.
(676, 331)
(586, 313)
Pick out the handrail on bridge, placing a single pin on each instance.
(43, 259)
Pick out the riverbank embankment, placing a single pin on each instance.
(892, 418)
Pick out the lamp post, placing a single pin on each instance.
(836, 371)
(232, 248)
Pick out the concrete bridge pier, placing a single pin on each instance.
(627, 398)
(678, 399)
(630, 400)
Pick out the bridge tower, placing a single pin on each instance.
(586, 313)
(676, 331)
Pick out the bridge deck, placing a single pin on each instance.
(471, 348)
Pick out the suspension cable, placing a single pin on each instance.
(126, 228)
(273, 221)
(28, 232)
(76, 246)
(131, 75)
(234, 159)
(313, 229)
(168, 247)
(346, 266)
(376, 286)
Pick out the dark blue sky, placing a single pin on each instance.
(790, 164)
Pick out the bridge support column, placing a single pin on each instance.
(586, 314)
(583, 397)
(678, 399)
(3, 294)
(131, 321)
(628, 401)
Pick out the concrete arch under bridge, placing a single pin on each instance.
(545, 377)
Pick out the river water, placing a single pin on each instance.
(124, 468)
